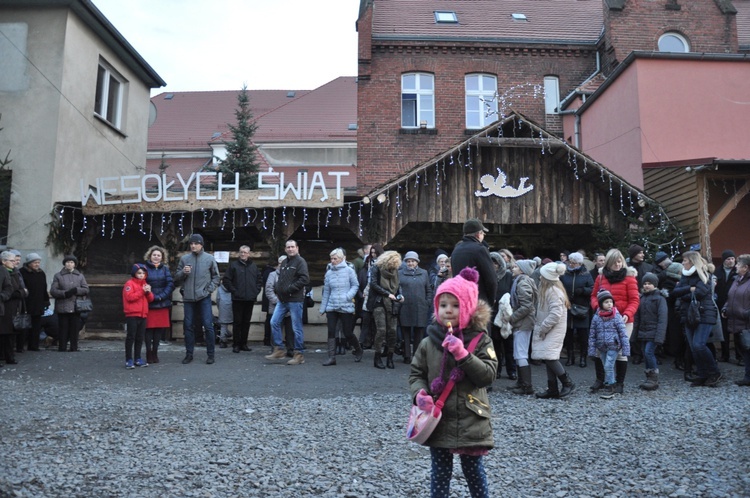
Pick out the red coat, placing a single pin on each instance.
(625, 293)
(134, 299)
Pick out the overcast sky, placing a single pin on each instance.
(221, 44)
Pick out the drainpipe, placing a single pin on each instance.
(577, 124)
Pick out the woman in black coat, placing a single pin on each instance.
(11, 294)
(578, 285)
(503, 347)
(38, 298)
(696, 284)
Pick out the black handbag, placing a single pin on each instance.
(22, 320)
(693, 312)
(84, 305)
(578, 310)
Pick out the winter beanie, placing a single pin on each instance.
(651, 278)
(660, 256)
(70, 257)
(727, 254)
(633, 250)
(196, 238)
(552, 271)
(604, 295)
(464, 287)
(527, 266)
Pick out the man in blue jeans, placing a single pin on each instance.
(199, 276)
(290, 289)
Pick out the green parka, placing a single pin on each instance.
(466, 414)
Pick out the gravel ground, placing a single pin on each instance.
(102, 437)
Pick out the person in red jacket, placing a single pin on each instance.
(136, 294)
(620, 280)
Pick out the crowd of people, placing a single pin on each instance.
(612, 310)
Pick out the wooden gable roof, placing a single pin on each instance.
(511, 173)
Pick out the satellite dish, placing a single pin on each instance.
(151, 114)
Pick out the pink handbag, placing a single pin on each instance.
(421, 423)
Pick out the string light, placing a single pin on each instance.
(223, 219)
(234, 225)
(304, 219)
(112, 232)
(124, 224)
(180, 224)
(85, 226)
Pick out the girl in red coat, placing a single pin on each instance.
(136, 294)
(619, 279)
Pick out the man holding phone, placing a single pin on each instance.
(199, 276)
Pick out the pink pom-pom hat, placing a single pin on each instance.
(464, 286)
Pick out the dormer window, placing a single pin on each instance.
(673, 42)
(446, 17)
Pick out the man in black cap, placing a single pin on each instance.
(724, 278)
(473, 252)
(198, 274)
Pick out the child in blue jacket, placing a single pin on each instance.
(607, 339)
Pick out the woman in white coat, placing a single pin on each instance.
(549, 330)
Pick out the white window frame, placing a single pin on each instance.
(551, 94)
(109, 111)
(678, 36)
(423, 98)
(487, 100)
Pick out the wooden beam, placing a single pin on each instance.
(728, 207)
(529, 143)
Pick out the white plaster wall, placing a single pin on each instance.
(50, 127)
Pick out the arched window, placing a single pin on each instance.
(417, 100)
(673, 42)
(481, 100)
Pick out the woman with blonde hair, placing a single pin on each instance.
(549, 330)
(696, 284)
(620, 280)
(384, 293)
(159, 278)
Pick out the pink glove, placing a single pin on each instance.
(455, 346)
(425, 401)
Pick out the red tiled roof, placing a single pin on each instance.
(743, 23)
(183, 166)
(188, 120)
(324, 114)
(548, 21)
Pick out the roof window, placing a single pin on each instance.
(445, 17)
(352, 126)
(519, 17)
(291, 95)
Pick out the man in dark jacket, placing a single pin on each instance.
(637, 261)
(290, 289)
(472, 252)
(242, 279)
(725, 276)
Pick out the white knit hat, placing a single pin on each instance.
(552, 271)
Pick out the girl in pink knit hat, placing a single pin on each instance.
(464, 428)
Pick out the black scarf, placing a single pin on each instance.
(615, 276)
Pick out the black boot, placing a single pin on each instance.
(331, 353)
(568, 385)
(571, 356)
(379, 361)
(599, 368)
(552, 392)
(524, 381)
(389, 361)
(621, 368)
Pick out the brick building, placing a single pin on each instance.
(434, 74)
